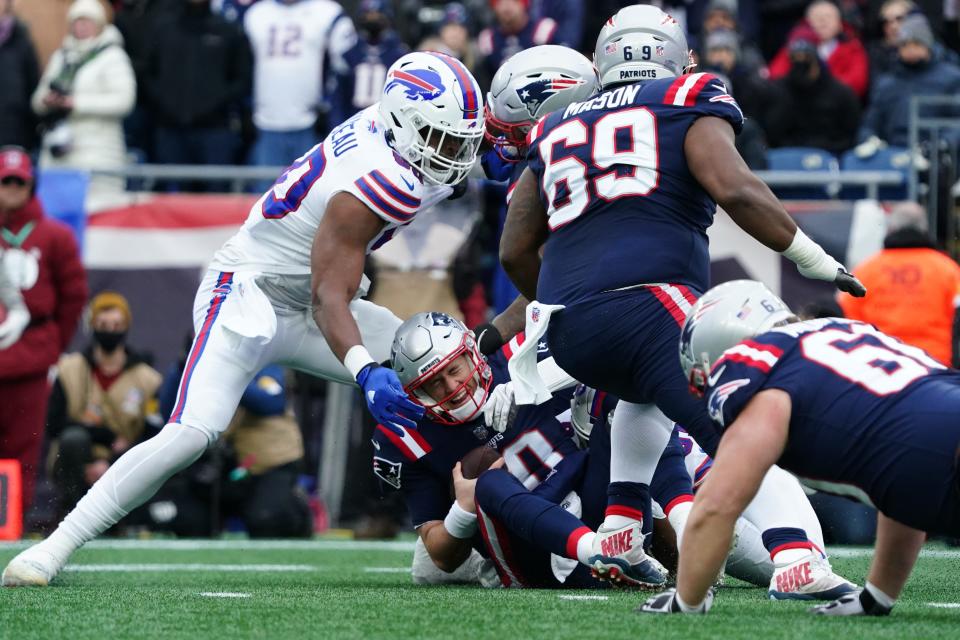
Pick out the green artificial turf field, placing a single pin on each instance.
(343, 589)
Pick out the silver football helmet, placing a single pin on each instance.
(425, 346)
(726, 315)
(640, 42)
(531, 84)
(583, 413)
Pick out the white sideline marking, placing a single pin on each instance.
(223, 594)
(386, 569)
(130, 568)
(235, 545)
(580, 597)
(944, 605)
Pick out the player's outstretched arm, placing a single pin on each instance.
(336, 263)
(511, 321)
(714, 161)
(524, 232)
(749, 447)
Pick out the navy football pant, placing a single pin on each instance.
(627, 343)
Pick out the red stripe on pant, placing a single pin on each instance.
(506, 561)
(668, 304)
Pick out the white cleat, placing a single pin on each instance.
(808, 578)
(618, 557)
(33, 567)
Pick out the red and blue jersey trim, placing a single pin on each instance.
(380, 198)
(471, 104)
(411, 444)
(220, 293)
(394, 191)
(685, 89)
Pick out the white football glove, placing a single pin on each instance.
(12, 327)
(500, 408)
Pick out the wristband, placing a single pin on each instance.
(460, 523)
(356, 359)
(803, 251)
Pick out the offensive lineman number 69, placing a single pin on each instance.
(565, 181)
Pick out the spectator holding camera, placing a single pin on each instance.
(40, 259)
(20, 73)
(101, 401)
(86, 91)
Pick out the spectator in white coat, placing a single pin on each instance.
(84, 94)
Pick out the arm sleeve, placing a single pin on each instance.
(117, 92)
(70, 281)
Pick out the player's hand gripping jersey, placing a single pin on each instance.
(355, 158)
(869, 412)
(622, 206)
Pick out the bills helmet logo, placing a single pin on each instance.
(535, 93)
(417, 84)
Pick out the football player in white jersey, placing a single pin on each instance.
(286, 287)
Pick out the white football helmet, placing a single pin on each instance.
(641, 42)
(531, 84)
(433, 109)
(726, 315)
(423, 347)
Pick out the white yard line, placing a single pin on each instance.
(386, 569)
(223, 594)
(944, 605)
(234, 545)
(573, 596)
(192, 566)
(866, 552)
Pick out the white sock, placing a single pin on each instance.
(686, 608)
(618, 522)
(788, 556)
(128, 483)
(638, 435)
(881, 598)
(678, 519)
(585, 547)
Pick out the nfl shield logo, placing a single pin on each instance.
(535, 314)
(659, 50)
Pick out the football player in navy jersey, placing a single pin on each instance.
(543, 502)
(619, 193)
(846, 408)
(780, 508)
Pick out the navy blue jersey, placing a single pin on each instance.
(622, 205)
(420, 462)
(368, 64)
(871, 418)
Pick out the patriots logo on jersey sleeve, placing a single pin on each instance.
(719, 397)
(387, 470)
(532, 95)
(417, 84)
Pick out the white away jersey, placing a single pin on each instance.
(290, 44)
(356, 158)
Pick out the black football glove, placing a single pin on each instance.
(488, 338)
(848, 283)
(666, 602)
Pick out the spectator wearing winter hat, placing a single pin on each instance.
(811, 108)
(723, 16)
(836, 43)
(454, 34)
(101, 402)
(918, 72)
(40, 258)
(86, 91)
(514, 30)
(721, 52)
(20, 72)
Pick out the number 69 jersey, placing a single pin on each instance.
(622, 206)
(871, 418)
(355, 158)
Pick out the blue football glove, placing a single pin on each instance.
(387, 400)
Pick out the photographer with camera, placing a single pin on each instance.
(86, 91)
